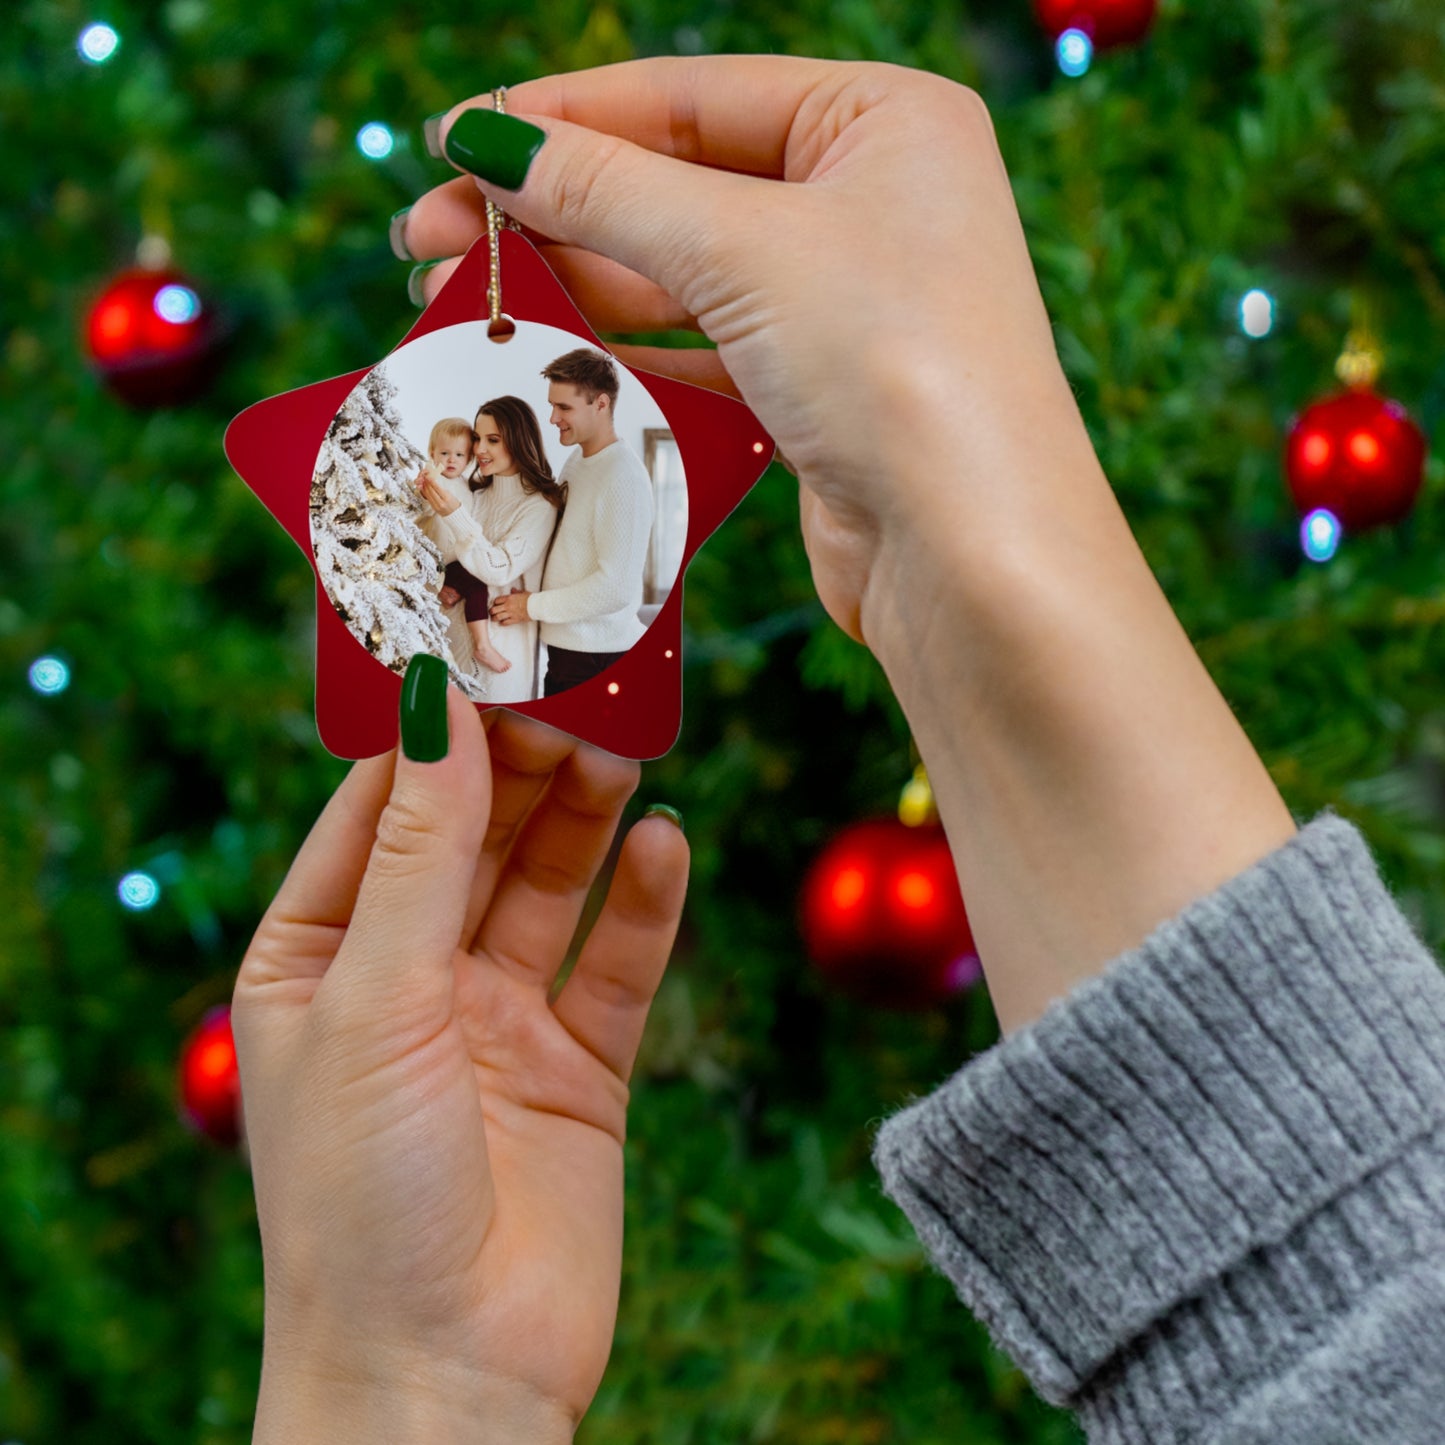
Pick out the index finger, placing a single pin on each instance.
(733, 112)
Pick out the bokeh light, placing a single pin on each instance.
(97, 44)
(1320, 535)
(1256, 313)
(138, 891)
(375, 141)
(1075, 52)
(177, 304)
(49, 675)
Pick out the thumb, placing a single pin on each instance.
(666, 219)
(410, 907)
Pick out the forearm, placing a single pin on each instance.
(1092, 779)
(596, 595)
(490, 564)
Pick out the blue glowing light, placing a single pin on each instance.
(375, 140)
(138, 891)
(1319, 535)
(177, 304)
(49, 675)
(1256, 313)
(97, 44)
(1075, 52)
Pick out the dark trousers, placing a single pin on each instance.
(474, 593)
(566, 669)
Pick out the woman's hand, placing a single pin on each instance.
(437, 497)
(849, 239)
(437, 1146)
(847, 235)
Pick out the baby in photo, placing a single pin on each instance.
(451, 448)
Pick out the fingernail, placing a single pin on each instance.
(431, 132)
(424, 736)
(413, 283)
(498, 148)
(396, 233)
(669, 813)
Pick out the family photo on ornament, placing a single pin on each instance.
(449, 517)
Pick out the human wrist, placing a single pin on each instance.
(321, 1403)
(1092, 779)
(973, 513)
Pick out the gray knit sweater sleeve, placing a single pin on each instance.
(1201, 1200)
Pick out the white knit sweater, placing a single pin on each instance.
(593, 582)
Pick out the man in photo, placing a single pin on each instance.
(592, 583)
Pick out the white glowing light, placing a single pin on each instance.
(177, 304)
(1320, 535)
(1075, 52)
(138, 891)
(1256, 313)
(375, 140)
(97, 44)
(49, 675)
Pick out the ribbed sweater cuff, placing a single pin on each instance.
(1181, 1157)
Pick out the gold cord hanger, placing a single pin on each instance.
(500, 327)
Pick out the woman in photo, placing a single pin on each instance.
(500, 534)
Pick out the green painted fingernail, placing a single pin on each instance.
(431, 133)
(666, 812)
(424, 736)
(498, 148)
(396, 234)
(414, 292)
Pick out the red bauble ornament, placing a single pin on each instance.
(1106, 22)
(209, 1080)
(1357, 455)
(152, 338)
(883, 917)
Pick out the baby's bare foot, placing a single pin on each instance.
(488, 656)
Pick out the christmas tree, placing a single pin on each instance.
(770, 1293)
(379, 568)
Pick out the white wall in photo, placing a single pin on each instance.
(452, 371)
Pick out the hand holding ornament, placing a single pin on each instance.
(436, 1144)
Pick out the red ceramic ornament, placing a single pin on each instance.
(152, 338)
(634, 708)
(209, 1080)
(1107, 23)
(1359, 456)
(883, 918)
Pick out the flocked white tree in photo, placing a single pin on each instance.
(381, 571)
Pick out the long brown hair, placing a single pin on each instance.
(521, 434)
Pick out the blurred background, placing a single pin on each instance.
(1235, 208)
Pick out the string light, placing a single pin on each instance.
(613, 688)
(1320, 535)
(177, 304)
(1075, 52)
(138, 891)
(375, 141)
(97, 44)
(1256, 313)
(49, 675)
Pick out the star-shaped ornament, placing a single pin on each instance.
(335, 464)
